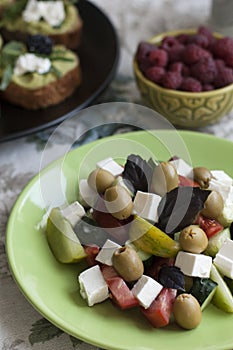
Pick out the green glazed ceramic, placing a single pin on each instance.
(52, 287)
(181, 108)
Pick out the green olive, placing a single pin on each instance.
(193, 239)
(100, 180)
(213, 206)
(164, 178)
(202, 176)
(118, 202)
(127, 263)
(187, 311)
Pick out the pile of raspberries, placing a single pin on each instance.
(197, 62)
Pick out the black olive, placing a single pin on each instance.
(39, 44)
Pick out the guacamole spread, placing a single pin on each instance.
(62, 60)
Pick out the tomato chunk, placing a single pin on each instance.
(158, 262)
(108, 272)
(210, 226)
(91, 252)
(121, 294)
(159, 312)
(118, 229)
(185, 181)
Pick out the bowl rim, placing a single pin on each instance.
(189, 94)
(180, 31)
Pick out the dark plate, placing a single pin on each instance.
(99, 54)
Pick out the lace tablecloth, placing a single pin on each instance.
(21, 327)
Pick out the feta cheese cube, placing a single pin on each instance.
(73, 212)
(230, 197)
(93, 286)
(29, 62)
(106, 252)
(182, 167)
(225, 188)
(221, 176)
(194, 265)
(146, 205)
(31, 12)
(224, 258)
(222, 187)
(226, 217)
(87, 194)
(53, 12)
(110, 165)
(146, 289)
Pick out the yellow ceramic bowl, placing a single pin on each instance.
(181, 108)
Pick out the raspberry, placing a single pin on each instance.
(169, 42)
(171, 80)
(176, 67)
(204, 70)
(39, 44)
(229, 60)
(185, 71)
(158, 57)
(142, 54)
(175, 53)
(179, 67)
(196, 62)
(219, 64)
(207, 33)
(155, 74)
(194, 53)
(182, 38)
(207, 87)
(191, 84)
(198, 39)
(223, 47)
(224, 77)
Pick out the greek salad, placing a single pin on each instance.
(156, 235)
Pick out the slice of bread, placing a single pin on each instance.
(48, 95)
(69, 33)
(34, 91)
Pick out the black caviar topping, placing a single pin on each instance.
(39, 44)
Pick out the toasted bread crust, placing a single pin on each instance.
(71, 39)
(48, 95)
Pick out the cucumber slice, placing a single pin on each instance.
(188, 283)
(151, 239)
(62, 240)
(208, 299)
(222, 298)
(203, 290)
(229, 282)
(215, 242)
(177, 236)
(143, 255)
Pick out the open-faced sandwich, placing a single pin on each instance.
(37, 74)
(58, 19)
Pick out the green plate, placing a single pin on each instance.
(52, 287)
